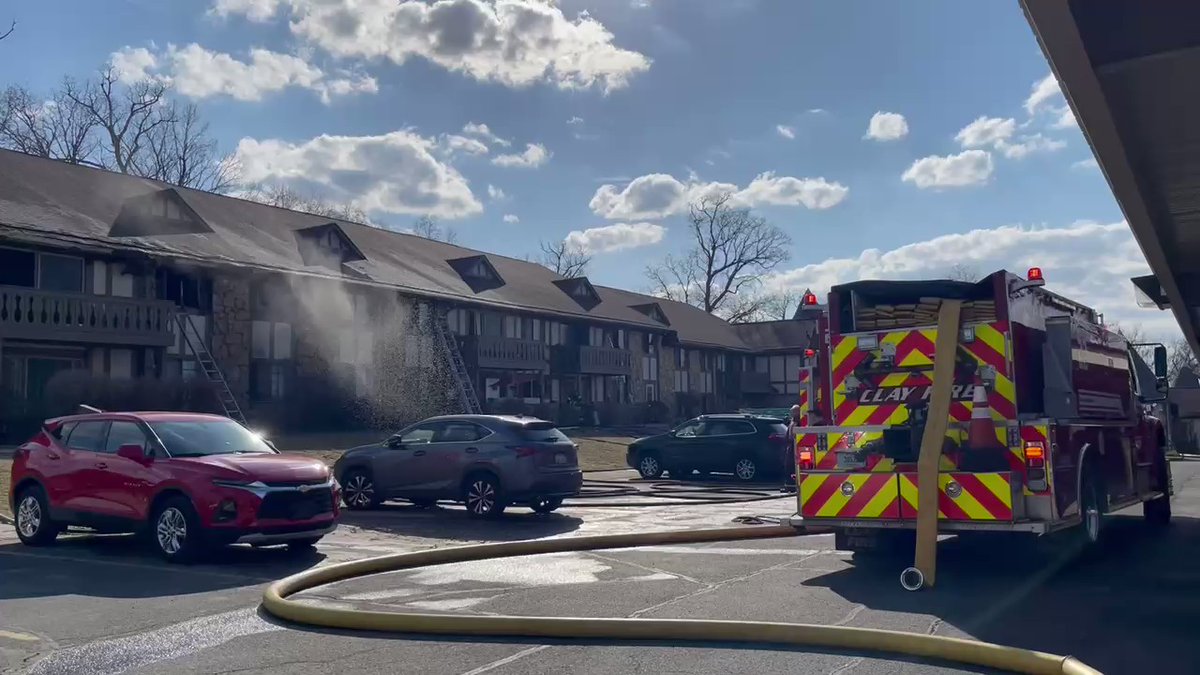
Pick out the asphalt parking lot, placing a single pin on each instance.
(105, 605)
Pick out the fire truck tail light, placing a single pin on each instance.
(805, 459)
(1035, 454)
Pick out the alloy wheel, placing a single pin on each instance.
(29, 516)
(1091, 521)
(481, 497)
(648, 466)
(171, 530)
(745, 469)
(359, 491)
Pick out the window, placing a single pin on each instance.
(422, 433)
(537, 330)
(512, 327)
(681, 358)
(728, 428)
(60, 273)
(650, 367)
(184, 290)
(542, 432)
(270, 340)
(87, 436)
(681, 380)
(651, 391)
(124, 433)
(460, 321)
(18, 268)
(201, 438)
(268, 381)
(120, 363)
(721, 362)
(706, 383)
(689, 429)
(460, 432)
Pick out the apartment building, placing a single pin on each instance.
(109, 281)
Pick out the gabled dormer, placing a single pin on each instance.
(326, 246)
(580, 290)
(654, 311)
(479, 272)
(160, 213)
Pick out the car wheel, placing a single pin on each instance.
(649, 465)
(303, 545)
(481, 493)
(177, 532)
(34, 526)
(545, 504)
(358, 490)
(1092, 508)
(745, 469)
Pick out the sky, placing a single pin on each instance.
(888, 140)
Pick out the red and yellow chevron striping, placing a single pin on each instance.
(963, 496)
(849, 495)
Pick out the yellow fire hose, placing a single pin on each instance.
(276, 601)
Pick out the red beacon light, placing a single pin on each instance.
(809, 299)
(1033, 278)
(809, 353)
(1035, 274)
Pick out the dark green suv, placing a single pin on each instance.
(748, 446)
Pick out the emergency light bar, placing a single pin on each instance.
(1033, 279)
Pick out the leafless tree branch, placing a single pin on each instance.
(287, 198)
(961, 272)
(565, 259)
(428, 227)
(55, 128)
(11, 27)
(732, 249)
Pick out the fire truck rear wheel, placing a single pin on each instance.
(1157, 512)
(1092, 505)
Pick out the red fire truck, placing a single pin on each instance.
(1049, 419)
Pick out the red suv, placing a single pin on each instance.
(189, 481)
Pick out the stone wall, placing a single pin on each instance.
(231, 333)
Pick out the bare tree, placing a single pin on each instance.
(781, 305)
(57, 128)
(128, 117)
(11, 27)
(288, 198)
(1180, 358)
(731, 251)
(181, 152)
(567, 260)
(428, 227)
(961, 272)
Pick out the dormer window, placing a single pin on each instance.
(479, 272)
(654, 311)
(580, 290)
(326, 246)
(164, 212)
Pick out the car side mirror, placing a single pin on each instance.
(135, 453)
(1160, 362)
(394, 442)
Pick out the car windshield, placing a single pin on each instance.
(197, 438)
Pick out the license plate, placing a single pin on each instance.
(848, 460)
(560, 458)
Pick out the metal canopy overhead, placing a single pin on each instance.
(1128, 70)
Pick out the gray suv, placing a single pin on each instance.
(487, 462)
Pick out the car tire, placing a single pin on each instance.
(745, 469)
(358, 490)
(303, 545)
(1092, 508)
(1157, 512)
(176, 532)
(481, 494)
(545, 504)
(649, 465)
(33, 523)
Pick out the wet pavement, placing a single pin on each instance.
(105, 605)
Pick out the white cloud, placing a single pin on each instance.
(516, 43)
(511, 219)
(969, 167)
(616, 237)
(495, 194)
(575, 120)
(391, 173)
(1089, 164)
(785, 131)
(986, 131)
(482, 131)
(534, 156)
(1066, 119)
(471, 146)
(659, 195)
(1044, 90)
(1086, 261)
(1028, 145)
(887, 126)
(196, 72)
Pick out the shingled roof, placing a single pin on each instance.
(56, 204)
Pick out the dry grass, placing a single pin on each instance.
(5, 487)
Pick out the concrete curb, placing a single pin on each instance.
(6, 519)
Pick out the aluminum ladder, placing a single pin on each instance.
(195, 344)
(462, 377)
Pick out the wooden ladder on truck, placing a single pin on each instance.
(448, 342)
(195, 344)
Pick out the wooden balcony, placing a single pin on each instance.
(485, 351)
(29, 314)
(593, 360)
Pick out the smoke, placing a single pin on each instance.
(373, 346)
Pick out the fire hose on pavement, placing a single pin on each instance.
(278, 602)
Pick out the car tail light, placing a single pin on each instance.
(1035, 465)
(805, 460)
(525, 451)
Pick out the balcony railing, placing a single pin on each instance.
(593, 360)
(70, 317)
(486, 351)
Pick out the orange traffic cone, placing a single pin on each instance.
(981, 431)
